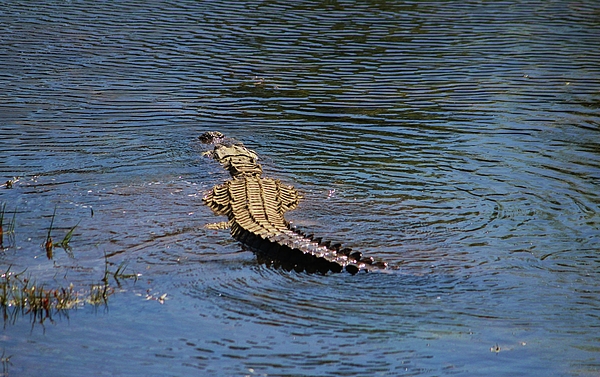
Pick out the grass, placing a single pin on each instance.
(49, 245)
(21, 294)
(2, 225)
(5, 360)
(9, 231)
(120, 274)
(65, 242)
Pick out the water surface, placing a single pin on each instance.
(456, 140)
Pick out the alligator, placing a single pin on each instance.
(255, 206)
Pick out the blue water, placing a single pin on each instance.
(458, 141)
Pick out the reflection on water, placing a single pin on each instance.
(458, 141)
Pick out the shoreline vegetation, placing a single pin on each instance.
(22, 294)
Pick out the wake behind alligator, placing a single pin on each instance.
(255, 206)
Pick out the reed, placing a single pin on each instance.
(2, 225)
(48, 245)
(120, 274)
(65, 242)
(20, 294)
(11, 228)
(99, 294)
(6, 232)
(5, 360)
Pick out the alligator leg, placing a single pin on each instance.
(218, 226)
(218, 199)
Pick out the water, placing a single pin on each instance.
(456, 140)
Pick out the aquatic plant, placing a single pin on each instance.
(2, 226)
(9, 231)
(65, 242)
(99, 294)
(120, 274)
(20, 294)
(49, 245)
(5, 360)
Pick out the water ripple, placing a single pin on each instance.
(456, 140)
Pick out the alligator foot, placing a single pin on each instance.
(218, 226)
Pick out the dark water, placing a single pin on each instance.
(457, 140)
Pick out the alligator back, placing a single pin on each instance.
(254, 203)
(255, 207)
